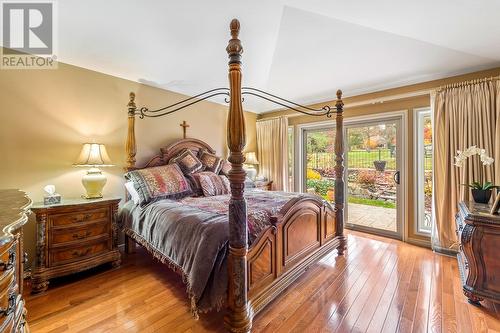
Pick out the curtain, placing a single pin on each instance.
(272, 151)
(464, 115)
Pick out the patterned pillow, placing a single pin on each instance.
(225, 167)
(211, 161)
(212, 184)
(194, 182)
(188, 162)
(162, 182)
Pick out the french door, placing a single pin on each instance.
(373, 190)
(373, 162)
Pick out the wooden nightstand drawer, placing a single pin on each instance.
(68, 236)
(8, 302)
(73, 236)
(8, 260)
(84, 216)
(64, 256)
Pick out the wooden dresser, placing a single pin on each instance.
(14, 210)
(479, 252)
(73, 236)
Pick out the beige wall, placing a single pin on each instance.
(47, 114)
(409, 104)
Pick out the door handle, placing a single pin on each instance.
(396, 177)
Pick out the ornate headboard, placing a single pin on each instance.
(172, 150)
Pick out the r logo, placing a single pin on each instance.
(27, 27)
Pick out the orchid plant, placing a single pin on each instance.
(485, 160)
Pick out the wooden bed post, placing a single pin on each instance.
(339, 172)
(130, 147)
(238, 317)
(131, 150)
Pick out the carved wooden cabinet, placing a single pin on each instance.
(14, 210)
(73, 236)
(479, 257)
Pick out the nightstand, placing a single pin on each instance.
(73, 236)
(264, 185)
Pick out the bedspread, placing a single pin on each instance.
(191, 236)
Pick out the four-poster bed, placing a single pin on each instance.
(303, 229)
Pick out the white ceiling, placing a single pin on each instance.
(299, 49)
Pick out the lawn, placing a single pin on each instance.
(371, 202)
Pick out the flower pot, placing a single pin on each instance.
(379, 165)
(481, 196)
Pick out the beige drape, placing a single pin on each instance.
(272, 151)
(465, 115)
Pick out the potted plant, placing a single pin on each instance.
(379, 165)
(481, 190)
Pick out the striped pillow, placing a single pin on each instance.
(161, 182)
(212, 184)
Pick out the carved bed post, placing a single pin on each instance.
(130, 146)
(339, 172)
(238, 317)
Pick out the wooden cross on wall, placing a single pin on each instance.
(184, 126)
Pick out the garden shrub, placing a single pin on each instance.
(321, 186)
(311, 174)
(367, 177)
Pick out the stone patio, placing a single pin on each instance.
(373, 217)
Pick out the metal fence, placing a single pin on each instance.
(361, 159)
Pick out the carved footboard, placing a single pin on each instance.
(303, 232)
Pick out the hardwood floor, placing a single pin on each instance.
(381, 285)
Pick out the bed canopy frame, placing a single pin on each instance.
(241, 308)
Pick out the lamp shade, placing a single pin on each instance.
(93, 154)
(250, 158)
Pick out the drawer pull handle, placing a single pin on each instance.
(82, 235)
(10, 262)
(84, 218)
(10, 307)
(81, 253)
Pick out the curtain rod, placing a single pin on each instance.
(467, 83)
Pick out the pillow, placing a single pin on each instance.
(194, 182)
(211, 161)
(212, 184)
(188, 162)
(225, 167)
(134, 195)
(161, 182)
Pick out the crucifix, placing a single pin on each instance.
(184, 126)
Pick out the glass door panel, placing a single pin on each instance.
(373, 175)
(319, 162)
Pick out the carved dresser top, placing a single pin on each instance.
(478, 213)
(14, 210)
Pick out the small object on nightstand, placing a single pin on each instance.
(265, 185)
(51, 197)
(93, 155)
(73, 236)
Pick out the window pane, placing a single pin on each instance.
(424, 173)
(320, 162)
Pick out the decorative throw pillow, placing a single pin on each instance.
(212, 184)
(225, 167)
(161, 182)
(211, 161)
(188, 162)
(194, 182)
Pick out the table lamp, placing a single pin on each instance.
(93, 155)
(250, 162)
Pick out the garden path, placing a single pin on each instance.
(372, 216)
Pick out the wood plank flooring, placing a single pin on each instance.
(380, 285)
